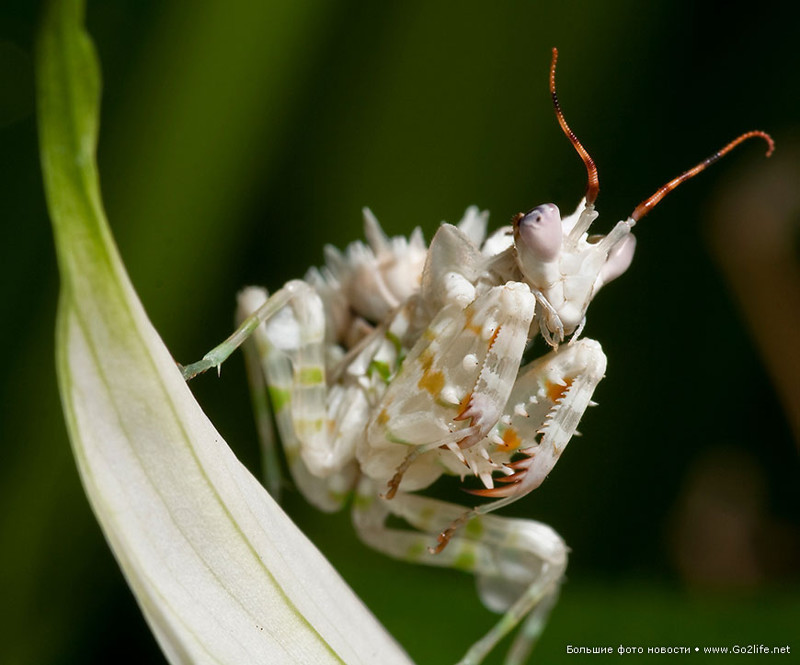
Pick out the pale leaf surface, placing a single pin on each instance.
(220, 572)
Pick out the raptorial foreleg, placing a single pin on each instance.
(542, 415)
(451, 389)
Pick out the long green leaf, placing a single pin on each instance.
(221, 574)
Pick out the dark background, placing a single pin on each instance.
(239, 137)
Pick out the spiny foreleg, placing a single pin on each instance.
(451, 389)
(543, 412)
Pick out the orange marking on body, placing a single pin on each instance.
(494, 336)
(426, 359)
(468, 324)
(433, 382)
(511, 440)
(463, 406)
(383, 417)
(555, 391)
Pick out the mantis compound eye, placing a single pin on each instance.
(538, 233)
(618, 261)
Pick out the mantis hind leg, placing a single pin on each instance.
(261, 314)
(286, 370)
(285, 358)
(518, 564)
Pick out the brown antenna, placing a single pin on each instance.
(647, 205)
(593, 187)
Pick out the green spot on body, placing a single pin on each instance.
(363, 501)
(427, 515)
(465, 559)
(416, 551)
(381, 368)
(339, 497)
(474, 528)
(309, 427)
(309, 376)
(396, 439)
(280, 397)
(395, 340)
(398, 349)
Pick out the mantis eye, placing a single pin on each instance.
(619, 259)
(538, 232)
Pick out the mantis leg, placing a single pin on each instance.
(451, 390)
(518, 563)
(285, 361)
(263, 313)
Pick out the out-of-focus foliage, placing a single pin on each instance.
(239, 137)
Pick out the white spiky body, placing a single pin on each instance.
(423, 348)
(397, 362)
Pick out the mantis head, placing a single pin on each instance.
(562, 262)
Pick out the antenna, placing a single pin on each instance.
(593, 186)
(648, 204)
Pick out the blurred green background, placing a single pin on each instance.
(239, 137)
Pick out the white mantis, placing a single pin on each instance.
(396, 363)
